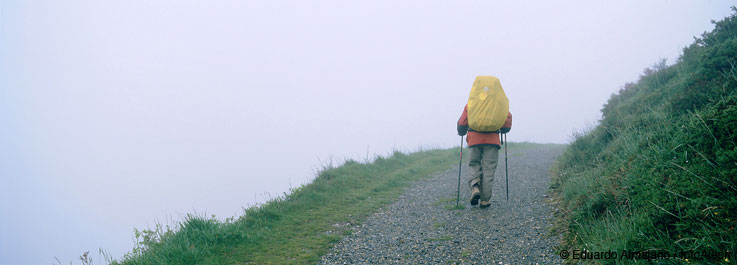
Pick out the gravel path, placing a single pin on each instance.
(422, 227)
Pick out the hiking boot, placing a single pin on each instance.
(475, 195)
(484, 204)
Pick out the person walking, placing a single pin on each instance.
(484, 147)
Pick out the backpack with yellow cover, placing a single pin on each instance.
(488, 105)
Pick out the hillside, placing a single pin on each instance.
(296, 228)
(659, 173)
(399, 209)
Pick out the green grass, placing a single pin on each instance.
(659, 171)
(461, 206)
(444, 201)
(297, 228)
(449, 203)
(438, 225)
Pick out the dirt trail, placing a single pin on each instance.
(420, 227)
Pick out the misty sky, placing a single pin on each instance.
(119, 114)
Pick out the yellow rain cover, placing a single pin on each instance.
(488, 105)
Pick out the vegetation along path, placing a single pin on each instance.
(424, 226)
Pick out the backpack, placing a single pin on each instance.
(488, 105)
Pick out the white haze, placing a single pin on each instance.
(121, 114)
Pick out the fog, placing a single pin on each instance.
(122, 114)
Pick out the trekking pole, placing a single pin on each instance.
(460, 162)
(506, 170)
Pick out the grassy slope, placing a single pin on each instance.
(295, 229)
(660, 170)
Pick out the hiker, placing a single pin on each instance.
(484, 145)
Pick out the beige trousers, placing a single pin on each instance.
(483, 164)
